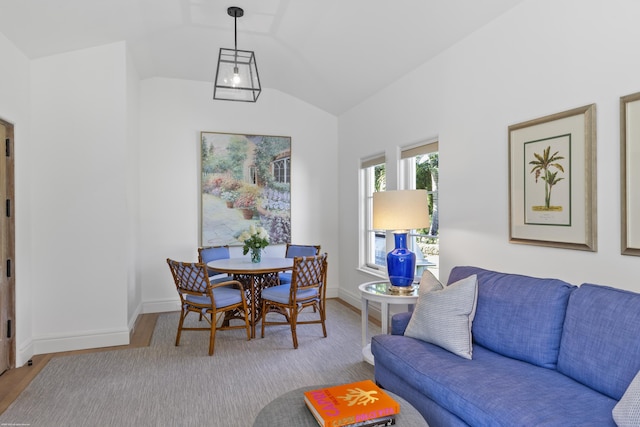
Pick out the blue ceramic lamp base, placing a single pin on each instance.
(401, 265)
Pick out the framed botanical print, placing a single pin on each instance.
(630, 173)
(552, 180)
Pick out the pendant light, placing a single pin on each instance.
(237, 76)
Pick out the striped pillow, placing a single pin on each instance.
(626, 413)
(443, 316)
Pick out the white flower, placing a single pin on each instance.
(254, 237)
(262, 233)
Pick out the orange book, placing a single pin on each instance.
(350, 404)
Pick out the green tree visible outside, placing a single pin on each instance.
(427, 179)
(380, 178)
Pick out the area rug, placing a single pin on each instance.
(165, 385)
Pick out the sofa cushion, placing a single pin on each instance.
(443, 316)
(626, 413)
(399, 322)
(490, 390)
(518, 316)
(601, 341)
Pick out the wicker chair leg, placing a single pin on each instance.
(182, 316)
(323, 318)
(264, 317)
(212, 336)
(294, 321)
(246, 322)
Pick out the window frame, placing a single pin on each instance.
(368, 234)
(408, 182)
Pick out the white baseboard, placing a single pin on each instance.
(24, 353)
(134, 317)
(91, 339)
(161, 306)
(332, 292)
(355, 300)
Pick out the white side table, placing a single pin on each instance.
(378, 291)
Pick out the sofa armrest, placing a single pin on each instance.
(399, 323)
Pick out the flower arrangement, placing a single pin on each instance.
(255, 239)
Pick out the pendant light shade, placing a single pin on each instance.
(237, 76)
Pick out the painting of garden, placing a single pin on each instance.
(245, 180)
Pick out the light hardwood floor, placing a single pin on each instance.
(14, 381)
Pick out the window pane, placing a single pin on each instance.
(374, 179)
(421, 171)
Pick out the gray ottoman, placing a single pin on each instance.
(289, 410)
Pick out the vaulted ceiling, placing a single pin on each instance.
(330, 53)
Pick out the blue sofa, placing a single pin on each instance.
(545, 353)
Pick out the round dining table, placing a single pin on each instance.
(255, 276)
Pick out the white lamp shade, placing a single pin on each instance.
(400, 210)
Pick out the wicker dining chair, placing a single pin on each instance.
(307, 289)
(212, 253)
(199, 295)
(293, 251)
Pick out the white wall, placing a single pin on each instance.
(542, 57)
(79, 216)
(173, 113)
(14, 108)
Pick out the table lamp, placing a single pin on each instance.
(400, 211)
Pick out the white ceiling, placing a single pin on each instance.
(330, 53)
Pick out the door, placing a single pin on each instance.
(7, 249)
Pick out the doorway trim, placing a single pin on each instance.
(7, 250)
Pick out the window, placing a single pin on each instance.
(419, 171)
(282, 169)
(373, 179)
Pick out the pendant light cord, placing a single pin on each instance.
(235, 41)
(235, 30)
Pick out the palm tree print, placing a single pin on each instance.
(542, 166)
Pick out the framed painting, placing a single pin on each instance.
(552, 180)
(630, 173)
(244, 180)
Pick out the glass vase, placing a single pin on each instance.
(256, 255)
